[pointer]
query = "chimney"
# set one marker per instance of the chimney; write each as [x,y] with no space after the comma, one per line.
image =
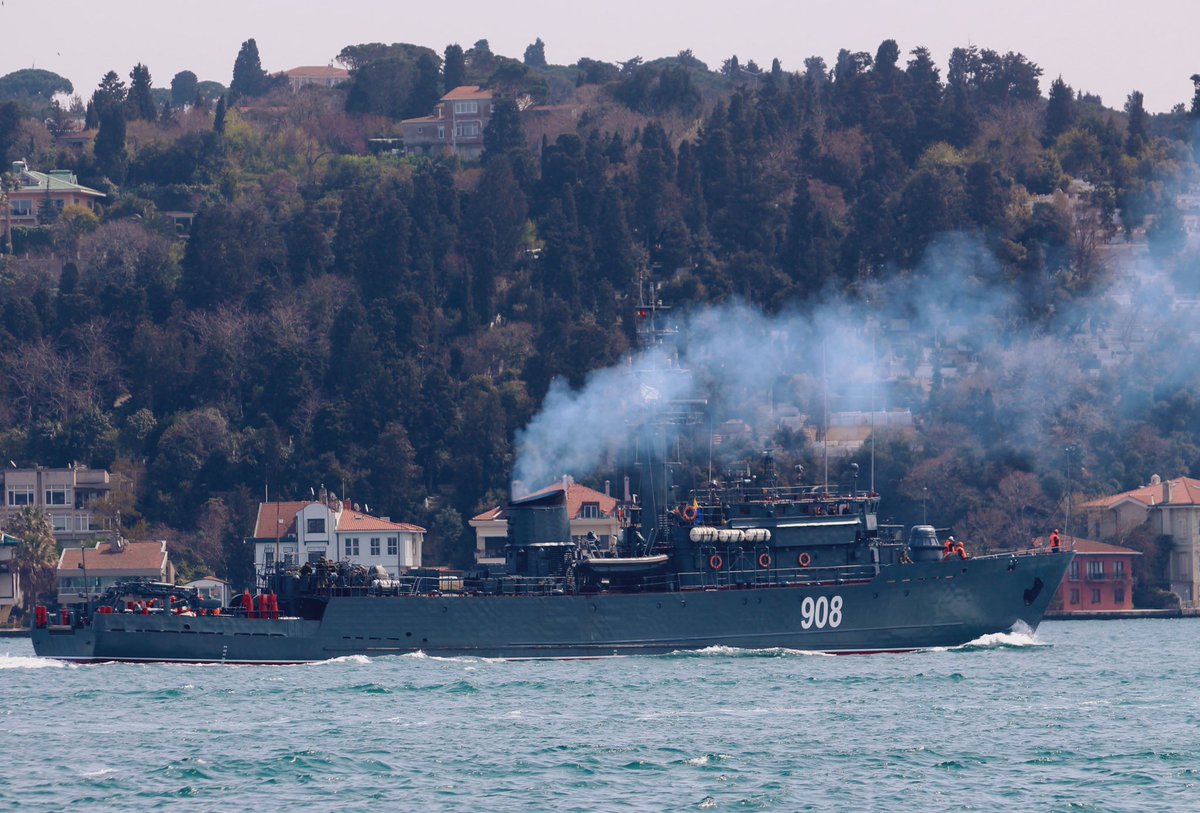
[607,488]
[627,497]
[1166,492]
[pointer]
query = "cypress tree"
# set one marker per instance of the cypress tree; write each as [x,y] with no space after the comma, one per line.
[139,100]
[454,69]
[249,78]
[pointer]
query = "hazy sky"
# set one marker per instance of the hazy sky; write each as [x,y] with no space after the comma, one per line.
[1101,46]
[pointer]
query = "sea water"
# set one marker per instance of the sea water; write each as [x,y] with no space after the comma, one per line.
[1081,716]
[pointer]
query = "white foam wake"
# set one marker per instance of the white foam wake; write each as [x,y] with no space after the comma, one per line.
[27,662]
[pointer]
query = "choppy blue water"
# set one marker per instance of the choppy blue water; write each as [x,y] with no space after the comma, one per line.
[1083,716]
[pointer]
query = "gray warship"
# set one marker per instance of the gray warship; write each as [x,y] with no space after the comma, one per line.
[746,562]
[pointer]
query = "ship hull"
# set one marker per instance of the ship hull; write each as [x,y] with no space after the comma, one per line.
[902,608]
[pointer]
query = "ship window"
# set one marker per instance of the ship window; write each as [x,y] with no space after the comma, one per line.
[392,549]
[1095,595]
[316,525]
[1074,595]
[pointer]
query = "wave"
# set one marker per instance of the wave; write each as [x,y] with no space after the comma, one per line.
[30,662]
[740,652]
[1020,637]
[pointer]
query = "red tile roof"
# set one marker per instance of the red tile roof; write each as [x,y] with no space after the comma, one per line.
[268,512]
[358,521]
[1184,491]
[467,92]
[147,556]
[577,495]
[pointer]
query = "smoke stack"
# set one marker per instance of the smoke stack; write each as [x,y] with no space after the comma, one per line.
[627,496]
[607,488]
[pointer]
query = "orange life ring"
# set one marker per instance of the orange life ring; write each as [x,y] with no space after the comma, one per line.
[716,562]
[804,559]
[764,560]
[688,513]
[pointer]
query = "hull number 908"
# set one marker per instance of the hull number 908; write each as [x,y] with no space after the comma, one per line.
[821,612]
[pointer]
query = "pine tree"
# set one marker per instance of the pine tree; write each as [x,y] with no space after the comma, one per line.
[1195,111]
[249,78]
[109,147]
[454,69]
[535,54]
[1136,134]
[184,86]
[139,100]
[426,87]
[1060,112]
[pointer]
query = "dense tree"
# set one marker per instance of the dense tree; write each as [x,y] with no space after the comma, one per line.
[535,54]
[1060,111]
[140,102]
[1135,136]
[454,68]
[109,146]
[33,88]
[36,553]
[249,78]
[184,86]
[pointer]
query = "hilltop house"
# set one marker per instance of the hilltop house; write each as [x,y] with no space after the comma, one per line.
[456,124]
[42,195]
[1173,507]
[307,531]
[587,510]
[85,573]
[316,75]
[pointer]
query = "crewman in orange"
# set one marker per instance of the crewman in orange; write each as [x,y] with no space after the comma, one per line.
[1054,540]
[960,550]
[948,550]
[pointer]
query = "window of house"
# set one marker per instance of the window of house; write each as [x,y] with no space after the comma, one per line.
[375,546]
[465,107]
[269,558]
[315,556]
[316,525]
[442,132]
[1119,595]
[56,496]
[22,208]
[61,523]
[1095,570]
[466,130]
[1095,595]
[392,549]
[352,546]
[1074,595]
[289,556]
[1074,574]
[1118,570]
[20,495]
[590,510]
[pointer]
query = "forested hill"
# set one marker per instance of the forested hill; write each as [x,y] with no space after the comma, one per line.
[385,325]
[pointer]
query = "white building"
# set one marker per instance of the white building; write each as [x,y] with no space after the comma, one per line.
[10,580]
[298,532]
[66,495]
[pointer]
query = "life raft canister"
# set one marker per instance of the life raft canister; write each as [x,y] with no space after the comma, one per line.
[764,560]
[804,559]
[716,562]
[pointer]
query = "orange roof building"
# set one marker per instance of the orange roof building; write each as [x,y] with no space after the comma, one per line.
[87,572]
[1099,579]
[456,124]
[316,75]
[587,510]
[295,532]
[1172,507]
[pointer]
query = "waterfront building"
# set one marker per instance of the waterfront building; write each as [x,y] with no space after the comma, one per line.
[86,572]
[588,510]
[306,531]
[1099,579]
[67,495]
[10,580]
[1173,509]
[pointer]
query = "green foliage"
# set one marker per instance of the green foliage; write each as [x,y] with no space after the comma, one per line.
[249,78]
[140,102]
[33,88]
[184,86]
[535,54]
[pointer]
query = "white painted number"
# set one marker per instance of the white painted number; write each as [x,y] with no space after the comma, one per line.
[821,612]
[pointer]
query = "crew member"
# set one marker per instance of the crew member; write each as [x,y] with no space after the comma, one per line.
[960,550]
[1054,540]
[948,549]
